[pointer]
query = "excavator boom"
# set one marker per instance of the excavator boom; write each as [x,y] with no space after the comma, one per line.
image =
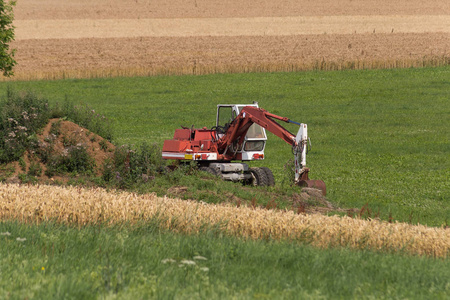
[249,115]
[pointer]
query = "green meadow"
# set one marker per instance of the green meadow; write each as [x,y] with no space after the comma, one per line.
[380,138]
[50,261]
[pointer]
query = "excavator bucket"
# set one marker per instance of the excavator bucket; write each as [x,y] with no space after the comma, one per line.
[317,184]
[304,181]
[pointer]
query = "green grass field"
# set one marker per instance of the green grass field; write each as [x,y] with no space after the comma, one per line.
[379,137]
[57,262]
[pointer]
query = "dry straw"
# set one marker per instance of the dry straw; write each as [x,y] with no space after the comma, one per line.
[72,205]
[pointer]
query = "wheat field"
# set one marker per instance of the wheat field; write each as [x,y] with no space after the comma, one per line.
[99,38]
[80,206]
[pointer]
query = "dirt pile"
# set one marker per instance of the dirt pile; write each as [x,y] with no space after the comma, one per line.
[61,142]
[306,201]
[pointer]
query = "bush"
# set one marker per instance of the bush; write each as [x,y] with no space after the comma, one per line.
[129,166]
[76,159]
[35,169]
[56,128]
[21,115]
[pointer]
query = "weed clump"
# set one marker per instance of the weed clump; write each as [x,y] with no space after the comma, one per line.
[129,166]
[75,159]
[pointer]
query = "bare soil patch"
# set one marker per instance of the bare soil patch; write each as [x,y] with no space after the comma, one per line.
[142,9]
[97,147]
[306,201]
[194,27]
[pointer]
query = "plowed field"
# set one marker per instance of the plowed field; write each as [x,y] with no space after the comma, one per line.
[56,39]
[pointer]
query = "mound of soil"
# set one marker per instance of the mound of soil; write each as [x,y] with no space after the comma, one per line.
[306,201]
[57,137]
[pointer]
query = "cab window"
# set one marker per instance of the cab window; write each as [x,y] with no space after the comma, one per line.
[226,115]
[255,132]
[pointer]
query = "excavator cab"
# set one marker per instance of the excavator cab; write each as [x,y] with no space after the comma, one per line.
[255,139]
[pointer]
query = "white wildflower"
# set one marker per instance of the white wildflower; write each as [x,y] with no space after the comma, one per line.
[168,260]
[5,233]
[198,257]
[188,262]
[19,239]
[204,269]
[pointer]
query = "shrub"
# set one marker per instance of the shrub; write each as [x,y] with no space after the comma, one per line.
[289,173]
[103,145]
[35,169]
[69,141]
[21,115]
[56,128]
[74,159]
[44,150]
[133,165]
[26,178]
[22,164]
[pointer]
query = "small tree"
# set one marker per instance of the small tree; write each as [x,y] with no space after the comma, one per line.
[7,61]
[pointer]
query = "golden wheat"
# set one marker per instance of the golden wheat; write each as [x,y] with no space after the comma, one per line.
[194,68]
[81,206]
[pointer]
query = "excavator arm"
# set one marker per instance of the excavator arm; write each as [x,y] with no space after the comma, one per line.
[249,115]
[237,130]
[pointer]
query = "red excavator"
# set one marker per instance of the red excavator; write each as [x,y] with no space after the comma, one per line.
[240,135]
